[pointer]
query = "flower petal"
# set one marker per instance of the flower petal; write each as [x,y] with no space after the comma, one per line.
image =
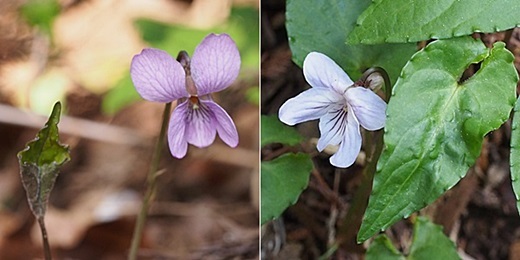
[309,105]
[200,126]
[157,76]
[322,72]
[225,127]
[215,63]
[368,107]
[350,145]
[332,128]
[177,131]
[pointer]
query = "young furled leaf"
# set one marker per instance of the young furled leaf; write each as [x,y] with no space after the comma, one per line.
[40,162]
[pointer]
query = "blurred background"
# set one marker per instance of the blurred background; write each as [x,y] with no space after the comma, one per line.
[79,52]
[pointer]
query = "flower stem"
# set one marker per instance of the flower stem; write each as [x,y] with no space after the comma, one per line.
[352,221]
[45,239]
[151,183]
[374,142]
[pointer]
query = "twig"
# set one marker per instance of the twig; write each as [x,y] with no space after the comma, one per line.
[331,223]
[74,126]
[507,39]
[325,190]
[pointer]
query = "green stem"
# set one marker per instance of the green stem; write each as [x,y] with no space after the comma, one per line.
[151,183]
[46,246]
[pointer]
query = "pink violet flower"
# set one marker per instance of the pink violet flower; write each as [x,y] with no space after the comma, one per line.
[197,119]
[340,105]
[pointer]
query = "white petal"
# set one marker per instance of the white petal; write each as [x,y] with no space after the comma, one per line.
[309,105]
[332,127]
[350,145]
[368,107]
[322,72]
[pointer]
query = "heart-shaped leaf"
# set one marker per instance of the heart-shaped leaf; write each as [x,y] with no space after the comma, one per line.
[324,25]
[435,125]
[40,162]
[411,21]
[283,179]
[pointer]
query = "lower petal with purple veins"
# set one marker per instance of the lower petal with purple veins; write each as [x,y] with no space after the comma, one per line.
[350,145]
[225,127]
[177,131]
[332,127]
[200,126]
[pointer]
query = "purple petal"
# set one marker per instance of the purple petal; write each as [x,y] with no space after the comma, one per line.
[322,72]
[332,127]
[350,145]
[215,63]
[200,128]
[368,107]
[177,131]
[157,76]
[309,105]
[225,127]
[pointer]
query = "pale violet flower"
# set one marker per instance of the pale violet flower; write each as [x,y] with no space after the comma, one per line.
[340,105]
[197,118]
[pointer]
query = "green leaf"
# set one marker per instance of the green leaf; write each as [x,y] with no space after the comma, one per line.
[382,248]
[429,242]
[274,131]
[40,162]
[435,125]
[324,25]
[515,153]
[411,21]
[283,179]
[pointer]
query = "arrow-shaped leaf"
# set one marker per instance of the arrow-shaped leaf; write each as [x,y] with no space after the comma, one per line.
[40,162]
[435,125]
